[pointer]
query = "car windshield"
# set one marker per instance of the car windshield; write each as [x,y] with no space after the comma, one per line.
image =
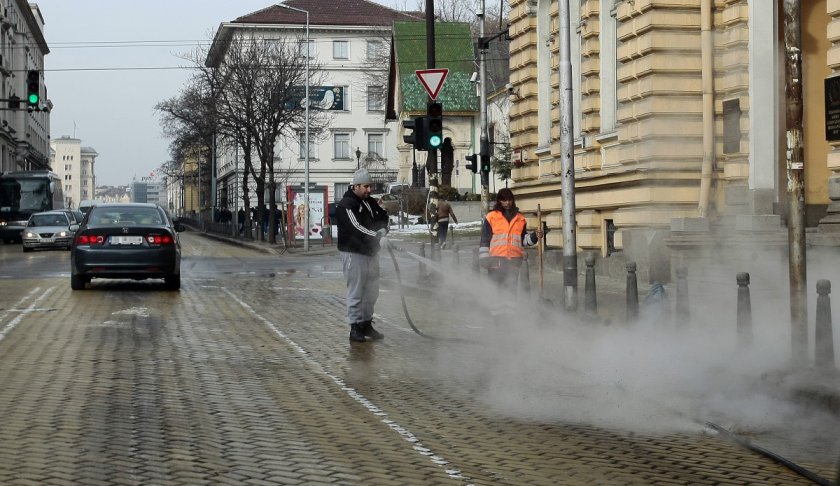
[48,220]
[125,216]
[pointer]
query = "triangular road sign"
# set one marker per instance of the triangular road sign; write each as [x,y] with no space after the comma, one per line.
[432,80]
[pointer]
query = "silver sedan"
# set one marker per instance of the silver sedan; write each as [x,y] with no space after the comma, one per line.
[50,229]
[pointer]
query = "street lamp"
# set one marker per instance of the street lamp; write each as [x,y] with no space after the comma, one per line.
[306,132]
[358,158]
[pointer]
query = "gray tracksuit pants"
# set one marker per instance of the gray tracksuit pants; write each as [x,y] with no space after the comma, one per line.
[361,272]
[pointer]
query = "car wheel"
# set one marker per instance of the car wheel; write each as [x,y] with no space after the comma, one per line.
[77,282]
[173,282]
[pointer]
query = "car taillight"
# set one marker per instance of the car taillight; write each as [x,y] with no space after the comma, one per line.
[89,240]
[159,239]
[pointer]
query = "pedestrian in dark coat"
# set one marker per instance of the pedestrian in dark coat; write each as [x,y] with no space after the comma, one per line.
[361,224]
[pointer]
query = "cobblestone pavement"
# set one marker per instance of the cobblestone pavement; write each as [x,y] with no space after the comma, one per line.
[246,376]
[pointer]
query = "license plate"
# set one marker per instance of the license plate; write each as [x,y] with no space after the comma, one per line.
[126,240]
[47,240]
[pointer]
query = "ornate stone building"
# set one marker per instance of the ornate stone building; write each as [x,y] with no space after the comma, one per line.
[679,121]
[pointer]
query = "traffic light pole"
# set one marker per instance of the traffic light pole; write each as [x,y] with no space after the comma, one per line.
[431,155]
[484,146]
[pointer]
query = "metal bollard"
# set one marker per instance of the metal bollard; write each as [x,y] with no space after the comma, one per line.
[435,252]
[632,311]
[421,275]
[590,301]
[683,314]
[475,265]
[525,276]
[744,323]
[824,338]
[456,256]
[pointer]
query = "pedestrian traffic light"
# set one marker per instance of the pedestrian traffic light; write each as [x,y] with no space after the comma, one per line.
[434,125]
[33,88]
[485,164]
[473,166]
[418,136]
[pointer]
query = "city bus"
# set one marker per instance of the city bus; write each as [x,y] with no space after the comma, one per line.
[23,193]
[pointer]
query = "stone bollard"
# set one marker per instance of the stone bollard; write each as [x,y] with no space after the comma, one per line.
[590,301]
[435,252]
[683,314]
[744,323]
[632,312]
[421,274]
[824,338]
[456,256]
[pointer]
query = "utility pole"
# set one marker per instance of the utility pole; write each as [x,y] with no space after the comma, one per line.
[432,153]
[567,162]
[484,148]
[795,185]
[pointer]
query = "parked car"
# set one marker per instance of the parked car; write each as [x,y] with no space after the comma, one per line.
[48,229]
[389,202]
[127,240]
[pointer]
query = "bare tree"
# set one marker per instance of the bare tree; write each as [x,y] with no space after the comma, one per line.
[261,95]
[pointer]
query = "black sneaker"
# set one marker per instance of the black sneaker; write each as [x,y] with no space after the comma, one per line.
[369,331]
[356,332]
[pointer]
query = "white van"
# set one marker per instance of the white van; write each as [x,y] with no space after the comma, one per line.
[85,205]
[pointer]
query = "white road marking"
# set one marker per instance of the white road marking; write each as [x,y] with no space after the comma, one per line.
[23,313]
[352,393]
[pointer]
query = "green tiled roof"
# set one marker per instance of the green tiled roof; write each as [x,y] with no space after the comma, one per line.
[453,50]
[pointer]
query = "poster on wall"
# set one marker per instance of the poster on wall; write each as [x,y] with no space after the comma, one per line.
[317,212]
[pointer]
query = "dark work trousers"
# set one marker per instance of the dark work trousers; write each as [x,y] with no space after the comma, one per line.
[443,230]
[361,272]
[506,277]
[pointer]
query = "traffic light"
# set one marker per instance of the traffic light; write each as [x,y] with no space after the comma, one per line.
[474,165]
[418,138]
[14,102]
[485,164]
[434,125]
[33,88]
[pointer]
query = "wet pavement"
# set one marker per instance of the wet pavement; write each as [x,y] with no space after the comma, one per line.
[804,405]
[246,376]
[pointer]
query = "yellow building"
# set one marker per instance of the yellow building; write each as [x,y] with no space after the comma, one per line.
[663,90]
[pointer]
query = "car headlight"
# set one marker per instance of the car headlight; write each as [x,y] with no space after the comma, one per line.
[3,223]
[29,234]
[62,234]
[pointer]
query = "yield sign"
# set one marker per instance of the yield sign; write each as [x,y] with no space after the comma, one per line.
[432,80]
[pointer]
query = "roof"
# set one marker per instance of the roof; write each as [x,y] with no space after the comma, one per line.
[453,51]
[327,12]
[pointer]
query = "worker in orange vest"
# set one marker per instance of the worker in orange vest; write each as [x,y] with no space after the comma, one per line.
[503,238]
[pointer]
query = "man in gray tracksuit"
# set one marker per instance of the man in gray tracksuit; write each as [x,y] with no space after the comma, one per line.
[361,224]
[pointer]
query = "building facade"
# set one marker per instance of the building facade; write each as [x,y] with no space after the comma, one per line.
[678,118]
[346,40]
[76,166]
[148,190]
[24,133]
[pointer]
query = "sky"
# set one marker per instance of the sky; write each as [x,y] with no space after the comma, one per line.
[112,61]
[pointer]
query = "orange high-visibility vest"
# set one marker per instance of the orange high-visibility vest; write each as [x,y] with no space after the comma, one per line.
[507,235]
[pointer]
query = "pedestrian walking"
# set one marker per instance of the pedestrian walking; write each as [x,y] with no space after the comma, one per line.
[361,224]
[503,237]
[240,215]
[444,212]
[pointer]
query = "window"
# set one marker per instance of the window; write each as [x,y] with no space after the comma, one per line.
[374,50]
[342,145]
[375,98]
[304,51]
[376,145]
[302,148]
[341,49]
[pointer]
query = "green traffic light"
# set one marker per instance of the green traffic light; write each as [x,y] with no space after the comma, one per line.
[434,141]
[33,99]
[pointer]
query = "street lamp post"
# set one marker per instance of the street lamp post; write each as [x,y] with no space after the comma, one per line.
[306,132]
[358,158]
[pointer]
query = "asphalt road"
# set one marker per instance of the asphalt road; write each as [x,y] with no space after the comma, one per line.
[246,376]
